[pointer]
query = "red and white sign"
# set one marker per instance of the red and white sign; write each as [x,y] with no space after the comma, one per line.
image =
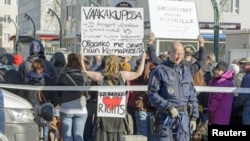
[111,104]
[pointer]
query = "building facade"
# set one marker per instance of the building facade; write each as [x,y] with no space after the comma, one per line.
[8,23]
[232,19]
[71,23]
[37,21]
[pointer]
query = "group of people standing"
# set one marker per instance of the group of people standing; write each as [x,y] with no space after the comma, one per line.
[171,98]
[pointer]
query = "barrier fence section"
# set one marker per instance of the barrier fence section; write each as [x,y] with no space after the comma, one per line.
[215,132]
[125,88]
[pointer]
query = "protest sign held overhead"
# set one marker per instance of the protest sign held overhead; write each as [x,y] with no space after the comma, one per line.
[106,31]
[111,104]
[173,19]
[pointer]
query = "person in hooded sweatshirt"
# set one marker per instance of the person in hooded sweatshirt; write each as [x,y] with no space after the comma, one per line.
[9,74]
[59,61]
[219,103]
[36,51]
[6,62]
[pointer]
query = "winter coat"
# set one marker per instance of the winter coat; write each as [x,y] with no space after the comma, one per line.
[32,78]
[244,98]
[79,78]
[219,103]
[172,86]
[25,67]
[140,99]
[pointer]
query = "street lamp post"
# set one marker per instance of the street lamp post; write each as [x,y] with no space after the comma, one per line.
[60,25]
[95,3]
[216,28]
[17,36]
[34,26]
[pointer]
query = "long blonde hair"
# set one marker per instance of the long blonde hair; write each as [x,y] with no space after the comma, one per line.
[111,65]
[198,78]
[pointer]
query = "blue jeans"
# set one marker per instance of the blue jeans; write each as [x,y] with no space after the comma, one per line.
[143,125]
[73,126]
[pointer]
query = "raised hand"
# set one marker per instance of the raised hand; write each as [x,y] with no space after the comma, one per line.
[151,38]
[201,41]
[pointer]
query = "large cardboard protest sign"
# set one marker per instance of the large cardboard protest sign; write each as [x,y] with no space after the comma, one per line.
[173,19]
[106,30]
[111,104]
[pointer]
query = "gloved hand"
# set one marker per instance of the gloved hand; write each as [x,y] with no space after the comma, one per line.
[193,125]
[174,112]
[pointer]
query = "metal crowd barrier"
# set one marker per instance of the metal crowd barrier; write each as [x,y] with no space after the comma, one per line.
[120,88]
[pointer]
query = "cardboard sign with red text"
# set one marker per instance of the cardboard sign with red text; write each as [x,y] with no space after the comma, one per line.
[111,104]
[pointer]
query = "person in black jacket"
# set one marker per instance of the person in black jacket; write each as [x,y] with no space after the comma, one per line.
[73,112]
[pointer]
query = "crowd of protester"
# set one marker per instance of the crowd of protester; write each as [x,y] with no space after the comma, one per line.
[75,116]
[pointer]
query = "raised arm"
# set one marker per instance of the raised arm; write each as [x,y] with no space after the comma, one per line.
[94,76]
[151,50]
[202,56]
[133,75]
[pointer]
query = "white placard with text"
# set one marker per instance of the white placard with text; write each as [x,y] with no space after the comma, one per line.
[107,30]
[173,19]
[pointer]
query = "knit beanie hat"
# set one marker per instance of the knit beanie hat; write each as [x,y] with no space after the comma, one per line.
[17,59]
[222,66]
[124,66]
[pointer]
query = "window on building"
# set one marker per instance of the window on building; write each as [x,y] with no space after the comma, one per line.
[69,12]
[6,18]
[229,6]
[6,37]
[7,2]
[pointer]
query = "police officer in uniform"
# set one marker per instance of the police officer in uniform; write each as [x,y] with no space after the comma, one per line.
[171,91]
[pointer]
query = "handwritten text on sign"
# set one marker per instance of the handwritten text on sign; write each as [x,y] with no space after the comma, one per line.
[173,19]
[108,31]
[111,104]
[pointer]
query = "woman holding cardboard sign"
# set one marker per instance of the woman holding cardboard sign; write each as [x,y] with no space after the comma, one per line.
[110,128]
[112,67]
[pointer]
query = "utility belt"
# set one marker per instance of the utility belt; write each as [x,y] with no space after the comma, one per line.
[183,108]
[156,126]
